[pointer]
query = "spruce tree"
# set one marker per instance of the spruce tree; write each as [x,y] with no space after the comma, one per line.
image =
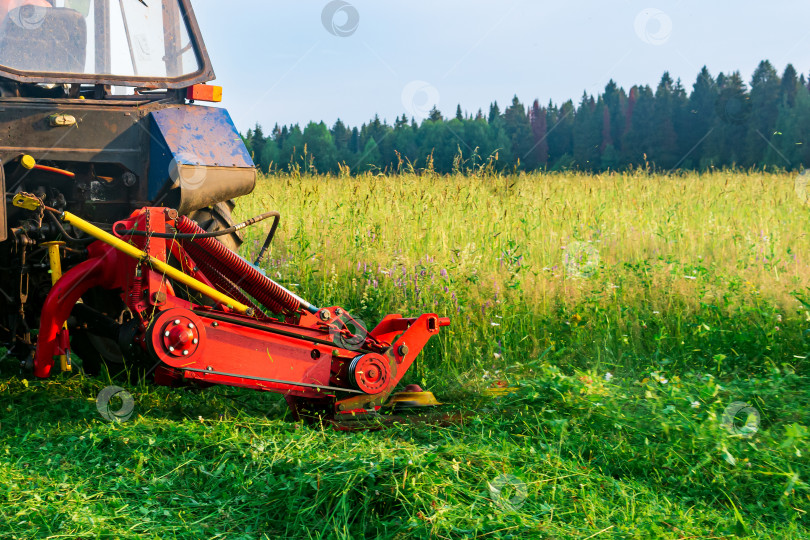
[435,115]
[537,119]
[699,121]
[733,117]
[789,87]
[616,104]
[587,134]
[637,141]
[765,91]
[494,113]
[664,143]
[561,135]
[519,131]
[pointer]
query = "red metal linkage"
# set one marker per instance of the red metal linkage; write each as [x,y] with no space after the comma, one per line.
[305,357]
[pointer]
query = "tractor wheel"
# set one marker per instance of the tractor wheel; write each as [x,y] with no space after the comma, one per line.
[95,351]
[216,218]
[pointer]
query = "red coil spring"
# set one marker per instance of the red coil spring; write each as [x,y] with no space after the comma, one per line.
[135,294]
[222,282]
[211,252]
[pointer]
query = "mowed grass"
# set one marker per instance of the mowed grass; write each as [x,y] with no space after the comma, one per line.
[628,312]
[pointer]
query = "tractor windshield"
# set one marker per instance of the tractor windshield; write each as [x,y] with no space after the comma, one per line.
[150,43]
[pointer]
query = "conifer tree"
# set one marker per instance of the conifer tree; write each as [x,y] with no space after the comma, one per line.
[789,87]
[494,113]
[537,118]
[732,123]
[765,94]
[519,131]
[587,134]
[664,143]
[561,135]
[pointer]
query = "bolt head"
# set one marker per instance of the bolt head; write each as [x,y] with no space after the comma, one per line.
[195,341]
[338,312]
[176,322]
[185,353]
[402,350]
[191,325]
[325,316]
[166,333]
[171,349]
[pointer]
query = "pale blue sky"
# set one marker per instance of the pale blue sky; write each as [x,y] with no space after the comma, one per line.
[278,62]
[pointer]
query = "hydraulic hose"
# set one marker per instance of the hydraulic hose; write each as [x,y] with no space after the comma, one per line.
[267,242]
[68,237]
[214,234]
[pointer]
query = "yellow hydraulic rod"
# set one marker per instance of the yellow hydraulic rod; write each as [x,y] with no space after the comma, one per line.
[161,266]
[55,260]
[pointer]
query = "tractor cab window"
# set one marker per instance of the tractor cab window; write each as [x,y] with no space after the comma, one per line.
[143,39]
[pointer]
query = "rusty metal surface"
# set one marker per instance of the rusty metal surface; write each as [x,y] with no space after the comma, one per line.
[220,184]
[105,132]
[204,74]
[202,136]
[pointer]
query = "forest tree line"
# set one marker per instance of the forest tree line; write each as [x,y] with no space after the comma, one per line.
[722,122]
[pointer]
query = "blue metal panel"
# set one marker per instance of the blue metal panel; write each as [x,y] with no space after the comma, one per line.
[193,135]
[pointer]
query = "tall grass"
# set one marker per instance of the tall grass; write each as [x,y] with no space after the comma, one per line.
[619,269]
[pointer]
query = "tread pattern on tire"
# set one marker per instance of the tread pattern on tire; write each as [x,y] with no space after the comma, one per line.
[218,217]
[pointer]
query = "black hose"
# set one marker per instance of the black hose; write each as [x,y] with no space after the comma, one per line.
[62,230]
[214,234]
[267,241]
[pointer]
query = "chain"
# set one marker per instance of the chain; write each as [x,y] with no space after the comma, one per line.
[148,230]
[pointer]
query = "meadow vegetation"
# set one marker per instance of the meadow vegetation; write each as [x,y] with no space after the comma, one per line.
[627,312]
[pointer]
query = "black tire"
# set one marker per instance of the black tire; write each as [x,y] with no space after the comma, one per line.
[94,351]
[218,217]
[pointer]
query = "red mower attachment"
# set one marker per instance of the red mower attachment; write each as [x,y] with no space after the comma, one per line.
[205,315]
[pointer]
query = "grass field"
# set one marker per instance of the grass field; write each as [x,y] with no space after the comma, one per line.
[630,312]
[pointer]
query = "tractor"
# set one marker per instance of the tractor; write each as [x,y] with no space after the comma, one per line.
[117,239]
